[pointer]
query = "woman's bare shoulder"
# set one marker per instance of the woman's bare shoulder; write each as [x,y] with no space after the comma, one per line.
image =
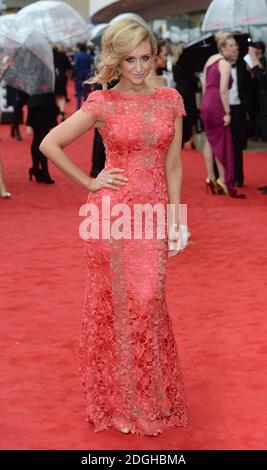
[213,58]
[224,65]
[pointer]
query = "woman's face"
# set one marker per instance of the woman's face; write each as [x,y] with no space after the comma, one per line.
[136,66]
[231,50]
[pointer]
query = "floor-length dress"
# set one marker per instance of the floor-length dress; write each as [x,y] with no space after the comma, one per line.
[218,135]
[128,357]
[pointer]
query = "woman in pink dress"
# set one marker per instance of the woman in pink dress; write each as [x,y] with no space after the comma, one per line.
[129,364]
[216,116]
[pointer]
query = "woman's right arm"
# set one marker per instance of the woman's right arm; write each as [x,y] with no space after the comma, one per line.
[225,72]
[68,131]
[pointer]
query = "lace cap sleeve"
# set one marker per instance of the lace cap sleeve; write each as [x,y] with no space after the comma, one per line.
[94,103]
[178,104]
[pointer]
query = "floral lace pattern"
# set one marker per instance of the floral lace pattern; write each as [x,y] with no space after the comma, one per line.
[128,357]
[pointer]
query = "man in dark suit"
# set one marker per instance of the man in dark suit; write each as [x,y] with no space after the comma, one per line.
[259,70]
[239,97]
[258,66]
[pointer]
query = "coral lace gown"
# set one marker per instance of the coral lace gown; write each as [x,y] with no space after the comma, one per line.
[128,356]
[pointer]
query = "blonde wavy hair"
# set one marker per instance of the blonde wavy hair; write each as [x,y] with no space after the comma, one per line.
[118,41]
[221,39]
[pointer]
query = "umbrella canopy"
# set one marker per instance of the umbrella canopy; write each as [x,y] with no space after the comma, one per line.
[26,62]
[231,14]
[197,52]
[258,34]
[128,16]
[97,31]
[56,21]
[7,21]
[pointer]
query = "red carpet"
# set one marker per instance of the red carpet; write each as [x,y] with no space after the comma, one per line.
[216,294]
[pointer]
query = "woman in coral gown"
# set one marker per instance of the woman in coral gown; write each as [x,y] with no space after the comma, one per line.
[129,364]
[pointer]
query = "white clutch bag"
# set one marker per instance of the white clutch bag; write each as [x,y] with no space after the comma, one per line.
[178,240]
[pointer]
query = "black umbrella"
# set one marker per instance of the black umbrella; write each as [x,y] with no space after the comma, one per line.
[197,52]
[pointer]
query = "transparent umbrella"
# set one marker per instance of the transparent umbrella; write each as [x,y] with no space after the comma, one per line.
[231,14]
[7,21]
[130,16]
[56,21]
[2,5]
[26,62]
[97,31]
[258,33]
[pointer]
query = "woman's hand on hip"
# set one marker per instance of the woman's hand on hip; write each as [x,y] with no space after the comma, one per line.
[110,179]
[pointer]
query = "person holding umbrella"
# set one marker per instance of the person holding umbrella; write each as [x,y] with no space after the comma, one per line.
[62,67]
[17,99]
[27,65]
[42,116]
[239,100]
[258,67]
[259,70]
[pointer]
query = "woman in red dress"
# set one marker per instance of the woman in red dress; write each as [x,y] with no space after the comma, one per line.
[129,364]
[216,116]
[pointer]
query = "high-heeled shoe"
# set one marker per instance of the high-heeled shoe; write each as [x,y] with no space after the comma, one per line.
[36,173]
[221,187]
[49,181]
[211,186]
[47,178]
[16,133]
[18,136]
[224,190]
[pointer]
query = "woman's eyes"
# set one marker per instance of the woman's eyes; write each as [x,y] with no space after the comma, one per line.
[131,59]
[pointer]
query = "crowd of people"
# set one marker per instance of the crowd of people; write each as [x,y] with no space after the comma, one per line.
[227,110]
[46,110]
[233,106]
